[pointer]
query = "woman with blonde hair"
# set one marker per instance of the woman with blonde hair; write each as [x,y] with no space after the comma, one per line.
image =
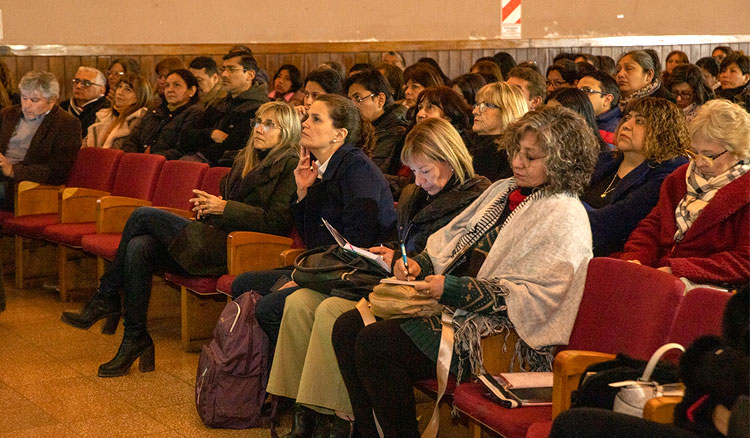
[255,196]
[444,185]
[699,228]
[497,106]
[131,98]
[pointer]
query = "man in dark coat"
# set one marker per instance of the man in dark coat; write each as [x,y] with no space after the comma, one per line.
[38,141]
[89,88]
[225,126]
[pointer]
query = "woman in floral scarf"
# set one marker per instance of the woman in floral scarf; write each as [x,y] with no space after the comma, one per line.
[636,76]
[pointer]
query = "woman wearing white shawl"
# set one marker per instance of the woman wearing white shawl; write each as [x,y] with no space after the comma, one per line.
[516,258]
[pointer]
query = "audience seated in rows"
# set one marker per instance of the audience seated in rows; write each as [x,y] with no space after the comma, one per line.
[114,124]
[307,371]
[698,229]
[319,83]
[734,77]
[395,78]
[489,70]
[638,76]
[39,141]
[531,83]
[162,70]
[394,58]
[651,144]
[578,101]
[118,68]
[89,87]
[163,129]
[562,74]
[255,197]
[473,265]
[710,69]
[287,85]
[210,87]
[506,62]
[721,52]
[498,105]
[417,77]
[604,95]
[467,86]
[690,89]
[225,126]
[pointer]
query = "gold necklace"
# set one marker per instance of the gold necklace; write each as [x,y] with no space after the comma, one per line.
[608,189]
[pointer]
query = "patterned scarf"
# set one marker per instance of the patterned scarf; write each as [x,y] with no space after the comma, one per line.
[643,92]
[700,191]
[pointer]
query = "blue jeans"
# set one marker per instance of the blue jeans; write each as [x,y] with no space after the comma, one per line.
[270,308]
[142,251]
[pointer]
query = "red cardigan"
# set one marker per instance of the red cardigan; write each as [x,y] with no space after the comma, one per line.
[714,250]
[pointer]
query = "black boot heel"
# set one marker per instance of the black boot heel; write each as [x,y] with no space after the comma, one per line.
[147,362]
[98,308]
[110,324]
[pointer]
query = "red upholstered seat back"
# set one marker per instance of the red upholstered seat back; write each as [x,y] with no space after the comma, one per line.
[626,308]
[95,168]
[212,179]
[137,175]
[700,313]
[176,183]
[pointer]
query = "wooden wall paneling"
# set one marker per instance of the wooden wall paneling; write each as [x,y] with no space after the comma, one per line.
[360,58]
[102,63]
[40,63]
[10,61]
[297,59]
[347,60]
[452,61]
[57,68]
[695,54]
[148,64]
[23,66]
[466,60]
[88,61]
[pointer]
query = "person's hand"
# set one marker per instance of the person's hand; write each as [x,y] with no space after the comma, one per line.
[432,285]
[666,269]
[385,253]
[400,271]
[205,203]
[305,173]
[301,111]
[218,136]
[6,165]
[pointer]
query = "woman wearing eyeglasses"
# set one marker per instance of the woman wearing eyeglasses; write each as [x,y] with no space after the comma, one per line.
[650,144]
[117,71]
[498,105]
[699,228]
[690,89]
[255,196]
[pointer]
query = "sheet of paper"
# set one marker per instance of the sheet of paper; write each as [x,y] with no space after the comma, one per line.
[394,280]
[527,380]
[341,240]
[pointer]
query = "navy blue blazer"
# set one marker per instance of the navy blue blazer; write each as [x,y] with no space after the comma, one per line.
[353,196]
[632,200]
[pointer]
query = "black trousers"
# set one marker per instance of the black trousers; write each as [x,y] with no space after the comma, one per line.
[380,364]
[601,423]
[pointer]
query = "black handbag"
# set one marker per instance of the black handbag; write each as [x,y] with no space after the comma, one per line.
[334,271]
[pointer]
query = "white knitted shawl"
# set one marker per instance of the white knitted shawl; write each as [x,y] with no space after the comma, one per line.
[538,261]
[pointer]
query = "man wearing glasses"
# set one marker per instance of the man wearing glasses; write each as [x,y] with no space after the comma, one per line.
[604,96]
[89,88]
[226,124]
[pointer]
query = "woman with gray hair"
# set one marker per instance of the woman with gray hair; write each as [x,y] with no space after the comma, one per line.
[513,260]
[38,140]
[699,228]
[637,76]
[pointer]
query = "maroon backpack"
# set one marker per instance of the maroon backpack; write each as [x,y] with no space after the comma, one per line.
[230,387]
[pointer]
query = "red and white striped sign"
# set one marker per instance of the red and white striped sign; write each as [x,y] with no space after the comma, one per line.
[511,19]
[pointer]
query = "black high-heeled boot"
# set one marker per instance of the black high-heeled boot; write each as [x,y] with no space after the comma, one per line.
[131,348]
[97,308]
[303,422]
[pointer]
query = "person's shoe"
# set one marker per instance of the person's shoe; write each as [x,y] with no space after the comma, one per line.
[303,422]
[131,348]
[97,308]
[332,426]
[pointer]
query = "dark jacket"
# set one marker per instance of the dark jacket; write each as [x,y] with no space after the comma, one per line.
[488,160]
[390,131]
[259,203]
[663,93]
[88,115]
[164,131]
[739,95]
[418,217]
[607,123]
[632,200]
[234,116]
[353,197]
[53,148]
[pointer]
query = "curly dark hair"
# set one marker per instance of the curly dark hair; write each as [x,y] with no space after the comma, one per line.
[567,141]
[666,133]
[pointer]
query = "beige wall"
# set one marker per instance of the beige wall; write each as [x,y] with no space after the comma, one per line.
[35,22]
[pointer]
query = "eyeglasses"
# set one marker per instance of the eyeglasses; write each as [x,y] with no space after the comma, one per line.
[358,99]
[556,84]
[683,94]
[267,125]
[705,159]
[483,106]
[589,90]
[116,73]
[526,160]
[231,69]
[85,83]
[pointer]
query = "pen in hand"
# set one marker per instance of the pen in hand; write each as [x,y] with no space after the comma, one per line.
[403,257]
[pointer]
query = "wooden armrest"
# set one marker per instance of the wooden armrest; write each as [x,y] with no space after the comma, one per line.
[568,367]
[187,214]
[661,409]
[78,204]
[249,251]
[36,198]
[112,212]
[287,257]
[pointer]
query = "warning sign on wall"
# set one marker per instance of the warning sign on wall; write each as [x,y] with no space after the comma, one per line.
[511,19]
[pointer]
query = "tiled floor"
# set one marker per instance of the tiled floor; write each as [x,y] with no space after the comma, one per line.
[49,387]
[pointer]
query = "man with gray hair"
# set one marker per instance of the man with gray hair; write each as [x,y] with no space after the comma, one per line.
[89,96]
[38,140]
